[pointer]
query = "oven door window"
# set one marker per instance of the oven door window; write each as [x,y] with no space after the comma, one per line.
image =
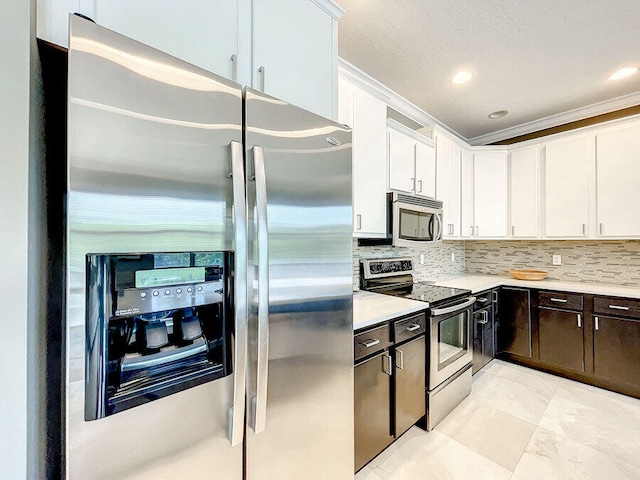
[452,339]
[416,225]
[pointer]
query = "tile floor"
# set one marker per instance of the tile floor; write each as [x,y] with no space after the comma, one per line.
[521,424]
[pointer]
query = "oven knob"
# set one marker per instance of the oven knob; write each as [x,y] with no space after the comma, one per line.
[156,293]
[178,291]
[143,295]
[200,288]
[189,289]
[167,292]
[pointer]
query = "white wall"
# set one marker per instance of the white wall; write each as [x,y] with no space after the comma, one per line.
[15,321]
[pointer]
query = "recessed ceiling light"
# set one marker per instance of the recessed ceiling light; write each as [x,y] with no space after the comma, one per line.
[461,77]
[623,73]
[498,114]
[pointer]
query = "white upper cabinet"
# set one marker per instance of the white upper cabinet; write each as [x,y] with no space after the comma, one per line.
[524,186]
[412,161]
[490,194]
[286,48]
[401,162]
[201,32]
[367,115]
[618,181]
[466,210]
[566,187]
[448,183]
[425,170]
[295,53]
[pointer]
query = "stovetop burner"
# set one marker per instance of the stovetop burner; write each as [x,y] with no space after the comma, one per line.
[394,276]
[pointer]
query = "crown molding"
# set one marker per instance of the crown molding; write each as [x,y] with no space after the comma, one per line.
[581,113]
[393,99]
[331,7]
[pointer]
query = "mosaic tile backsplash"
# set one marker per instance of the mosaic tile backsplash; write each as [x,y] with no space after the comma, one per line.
[437,260]
[611,261]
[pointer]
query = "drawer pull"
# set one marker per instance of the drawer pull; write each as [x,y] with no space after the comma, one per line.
[370,343]
[579,321]
[482,299]
[413,327]
[618,307]
[559,300]
[597,324]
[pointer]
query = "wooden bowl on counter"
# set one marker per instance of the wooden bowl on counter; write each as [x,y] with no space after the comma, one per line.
[528,274]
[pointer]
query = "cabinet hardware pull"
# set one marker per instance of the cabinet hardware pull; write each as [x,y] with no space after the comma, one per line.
[597,324]
[263,76]
[472,230]
[495,295]
[359,221]
[234,67]
[399,363]
[513,231]
[420,186]
[584,228]
[482,299]
[579,321]
[559,300]
[601,228]
[413,327]
[618,307]
[413,184]
[370,343]
[388,371]
[477,230]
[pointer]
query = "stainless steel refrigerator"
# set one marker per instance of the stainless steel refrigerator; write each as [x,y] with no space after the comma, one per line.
[209,265]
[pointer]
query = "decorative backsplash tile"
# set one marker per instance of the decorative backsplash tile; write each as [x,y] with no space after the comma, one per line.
[609,261]
[437,259]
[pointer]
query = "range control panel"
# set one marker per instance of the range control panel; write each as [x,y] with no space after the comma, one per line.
[374,268]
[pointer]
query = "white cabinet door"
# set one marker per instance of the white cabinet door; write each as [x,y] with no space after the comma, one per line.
[368,117]
[425,170]
[293,53]
[466,215]
[401,162]
[201,32]
[490,194]
[618,181]
[566,184]
[523,192]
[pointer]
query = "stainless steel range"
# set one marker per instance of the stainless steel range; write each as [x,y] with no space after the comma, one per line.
[449,347]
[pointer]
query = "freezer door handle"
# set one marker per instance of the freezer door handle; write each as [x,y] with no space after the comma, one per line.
[236,414]
[259,403]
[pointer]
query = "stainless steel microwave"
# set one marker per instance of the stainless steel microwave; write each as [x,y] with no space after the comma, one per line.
[414,221]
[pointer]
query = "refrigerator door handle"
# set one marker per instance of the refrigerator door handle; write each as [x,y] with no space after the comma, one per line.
[259,402]
[236,413]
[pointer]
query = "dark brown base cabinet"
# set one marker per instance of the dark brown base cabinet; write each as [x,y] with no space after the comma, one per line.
[513,330]
[389,384]
[616,350]
[588,338]
[372,407]
[483,325]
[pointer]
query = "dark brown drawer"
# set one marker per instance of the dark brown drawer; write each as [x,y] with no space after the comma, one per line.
[371,341]
[483,299]
[566,301]
[409,327]
[621,307]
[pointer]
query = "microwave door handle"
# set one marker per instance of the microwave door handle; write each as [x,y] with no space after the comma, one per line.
[440,226]
[236,413]
[259,402]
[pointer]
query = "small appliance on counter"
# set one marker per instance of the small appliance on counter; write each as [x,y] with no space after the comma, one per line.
[449,347]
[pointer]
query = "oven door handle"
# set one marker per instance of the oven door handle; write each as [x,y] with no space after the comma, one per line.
[461,306]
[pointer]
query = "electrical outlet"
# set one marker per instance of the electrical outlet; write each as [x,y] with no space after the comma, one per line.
[557,259]
[453,257]
[422,259]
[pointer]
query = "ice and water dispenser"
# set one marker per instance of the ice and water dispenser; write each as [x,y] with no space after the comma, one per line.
[157,323]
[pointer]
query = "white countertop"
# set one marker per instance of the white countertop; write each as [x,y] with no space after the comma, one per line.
[478,283]
[370,308]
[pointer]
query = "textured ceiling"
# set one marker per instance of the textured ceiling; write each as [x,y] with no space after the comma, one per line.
[535,58]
